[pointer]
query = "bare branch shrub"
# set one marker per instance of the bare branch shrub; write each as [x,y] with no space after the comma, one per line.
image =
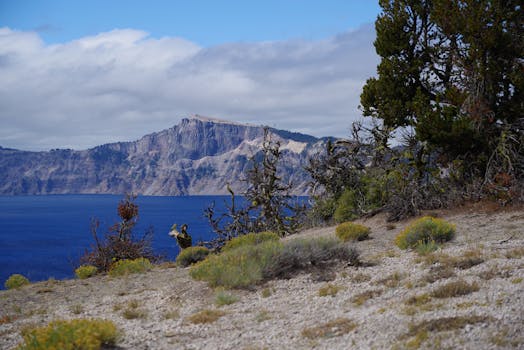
[119,242]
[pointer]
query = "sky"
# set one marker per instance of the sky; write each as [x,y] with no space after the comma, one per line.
[76,74]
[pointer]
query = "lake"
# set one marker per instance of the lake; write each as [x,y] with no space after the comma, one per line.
[44,236]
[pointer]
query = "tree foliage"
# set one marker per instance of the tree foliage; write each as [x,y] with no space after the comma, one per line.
[453,71]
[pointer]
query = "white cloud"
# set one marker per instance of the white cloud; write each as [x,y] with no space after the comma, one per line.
[122,84]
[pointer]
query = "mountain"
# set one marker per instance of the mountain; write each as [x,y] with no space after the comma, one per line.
[198,156]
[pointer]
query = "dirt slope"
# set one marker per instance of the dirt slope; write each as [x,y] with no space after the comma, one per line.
[390,303]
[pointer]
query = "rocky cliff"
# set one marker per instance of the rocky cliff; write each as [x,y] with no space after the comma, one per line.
[198,156]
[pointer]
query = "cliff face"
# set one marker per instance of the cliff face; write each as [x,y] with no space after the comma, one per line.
[197,156]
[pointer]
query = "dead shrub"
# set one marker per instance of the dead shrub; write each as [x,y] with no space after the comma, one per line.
[119,243]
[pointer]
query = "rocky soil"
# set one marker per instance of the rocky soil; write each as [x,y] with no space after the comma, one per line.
[389,303]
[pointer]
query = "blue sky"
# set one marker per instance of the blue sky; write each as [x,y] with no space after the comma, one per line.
[75,74]
[205,22]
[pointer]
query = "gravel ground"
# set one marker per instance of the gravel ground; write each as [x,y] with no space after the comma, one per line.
[373,308]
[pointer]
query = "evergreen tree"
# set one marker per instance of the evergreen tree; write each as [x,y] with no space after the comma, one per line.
[453,71]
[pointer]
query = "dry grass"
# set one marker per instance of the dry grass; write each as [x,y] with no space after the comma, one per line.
[132,310]
[7,319]
[360,277]
[417,340]
[410,310]
[391,281]
[266,293]
[495,272]
[329,290]
[465,261]
[131,314]
[172,314]
[361,298]
[445,324]
[418,300]
[76,309]
[205,316]
[437,273]
[335,328]
[454,289]
[419,303]
[515,253]
[262,316]
[503,339]
[468,259]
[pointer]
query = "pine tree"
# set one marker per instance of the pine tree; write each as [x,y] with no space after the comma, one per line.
[453,71]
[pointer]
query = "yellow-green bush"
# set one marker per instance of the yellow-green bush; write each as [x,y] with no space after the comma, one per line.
[78,334]
[191,255]
[349,231]
[425,230]
[85,271]
[15,281]
[250,239]
[125,267]
[239,267]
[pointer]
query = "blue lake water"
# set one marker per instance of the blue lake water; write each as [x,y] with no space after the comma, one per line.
[44,236]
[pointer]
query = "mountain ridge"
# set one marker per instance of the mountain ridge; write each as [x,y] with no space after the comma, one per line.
[197,156]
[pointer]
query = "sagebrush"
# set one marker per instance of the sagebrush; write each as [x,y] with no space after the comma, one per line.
[248,265]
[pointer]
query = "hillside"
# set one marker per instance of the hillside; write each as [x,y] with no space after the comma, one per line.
[385,304]
[198,156]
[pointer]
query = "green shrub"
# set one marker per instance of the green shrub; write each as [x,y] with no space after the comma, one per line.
[250,239]
[322,211]
[425,248]
[346,207]
[16,281]
[223,298]
[349,231]
[85,271]
[78,334]
[237,268]
[125,267]
[191,255]
[423,231]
